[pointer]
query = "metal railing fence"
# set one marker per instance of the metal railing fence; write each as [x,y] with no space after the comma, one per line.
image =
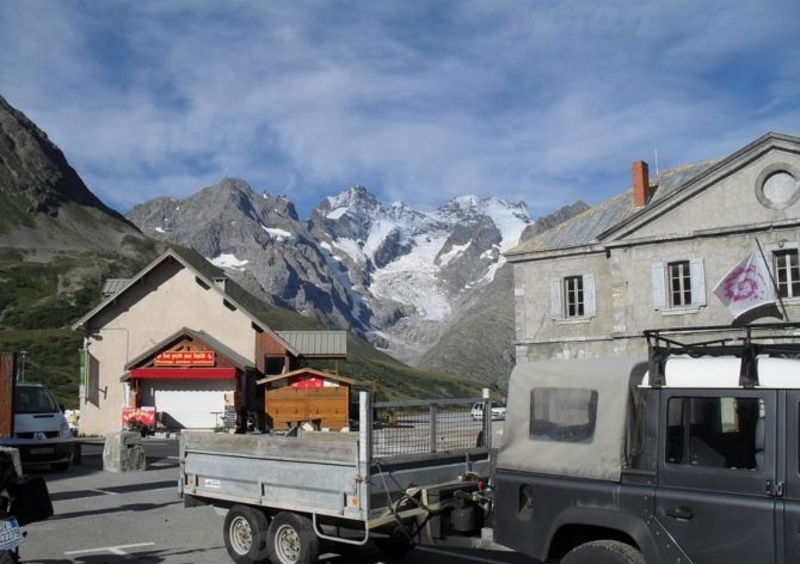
[428,426]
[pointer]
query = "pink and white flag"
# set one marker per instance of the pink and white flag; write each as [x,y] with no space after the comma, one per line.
[748,290]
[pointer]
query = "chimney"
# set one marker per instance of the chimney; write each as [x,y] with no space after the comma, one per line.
[641,183]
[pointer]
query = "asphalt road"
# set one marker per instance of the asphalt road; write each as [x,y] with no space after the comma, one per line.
[137,517]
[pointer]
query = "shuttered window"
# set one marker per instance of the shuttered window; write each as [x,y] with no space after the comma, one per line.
[573,297]
[787,272]
[678,284]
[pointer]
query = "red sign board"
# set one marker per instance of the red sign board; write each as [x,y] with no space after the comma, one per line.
[308,383]
[185,358]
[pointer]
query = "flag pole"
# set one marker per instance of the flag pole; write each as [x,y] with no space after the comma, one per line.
[772,279]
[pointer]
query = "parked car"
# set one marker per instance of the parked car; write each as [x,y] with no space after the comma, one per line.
[41,432]
[498,411]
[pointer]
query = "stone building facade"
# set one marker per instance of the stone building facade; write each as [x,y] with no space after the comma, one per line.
[650,257]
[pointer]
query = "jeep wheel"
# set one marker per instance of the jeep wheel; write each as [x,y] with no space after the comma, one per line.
[245,534]
[604,552]
[291,540]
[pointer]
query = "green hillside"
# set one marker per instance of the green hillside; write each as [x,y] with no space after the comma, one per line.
[42,294]
[40,297]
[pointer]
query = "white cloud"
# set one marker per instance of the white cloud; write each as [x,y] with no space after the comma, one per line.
[545,102]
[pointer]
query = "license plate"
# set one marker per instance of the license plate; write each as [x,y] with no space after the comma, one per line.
[10,535]
[42,450]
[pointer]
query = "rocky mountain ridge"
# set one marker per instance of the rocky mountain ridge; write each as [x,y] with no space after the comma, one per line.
[44,204]
[59,242]
[397,275]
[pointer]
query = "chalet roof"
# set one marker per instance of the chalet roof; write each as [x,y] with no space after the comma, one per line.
[321,344]
[311,371]
[251,306]
[235,358]
[584,228]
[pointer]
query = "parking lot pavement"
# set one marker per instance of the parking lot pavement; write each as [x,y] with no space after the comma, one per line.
[137,517]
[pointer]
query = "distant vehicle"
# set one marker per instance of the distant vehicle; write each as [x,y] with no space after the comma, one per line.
[73,416]
[41,432]
[498,411]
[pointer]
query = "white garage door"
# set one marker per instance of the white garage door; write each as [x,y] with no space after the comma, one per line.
[192,405]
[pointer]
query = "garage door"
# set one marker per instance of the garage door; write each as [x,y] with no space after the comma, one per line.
[189,405]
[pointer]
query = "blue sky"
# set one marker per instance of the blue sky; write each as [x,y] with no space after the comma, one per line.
[541,101]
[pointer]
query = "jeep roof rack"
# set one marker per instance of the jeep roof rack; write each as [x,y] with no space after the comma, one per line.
[780,340]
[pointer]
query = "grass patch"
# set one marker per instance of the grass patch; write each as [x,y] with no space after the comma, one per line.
[51,358]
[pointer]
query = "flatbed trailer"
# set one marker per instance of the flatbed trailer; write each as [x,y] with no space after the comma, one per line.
[388,480]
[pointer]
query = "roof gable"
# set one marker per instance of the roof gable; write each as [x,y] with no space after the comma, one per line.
[210,275]
[616,217]
[201,337]
[694,186]
[309,371]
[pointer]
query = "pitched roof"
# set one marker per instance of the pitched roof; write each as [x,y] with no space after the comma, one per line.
[584,228]
[251,306]
[312,371]
[598,222]
[321,344]
[235,358]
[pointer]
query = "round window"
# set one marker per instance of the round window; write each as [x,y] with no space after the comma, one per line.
[778,186]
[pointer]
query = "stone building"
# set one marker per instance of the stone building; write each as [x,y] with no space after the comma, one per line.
[650,257]
[179,337]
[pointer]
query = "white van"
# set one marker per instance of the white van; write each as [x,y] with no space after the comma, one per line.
[41,433]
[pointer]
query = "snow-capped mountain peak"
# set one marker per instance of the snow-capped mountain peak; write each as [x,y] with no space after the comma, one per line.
[389,270]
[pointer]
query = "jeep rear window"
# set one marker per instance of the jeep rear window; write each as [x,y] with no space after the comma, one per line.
[563,414]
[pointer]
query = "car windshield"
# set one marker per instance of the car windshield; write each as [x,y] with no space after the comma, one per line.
[33,399]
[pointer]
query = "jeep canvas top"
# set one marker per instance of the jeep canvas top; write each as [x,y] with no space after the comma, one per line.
[688,456]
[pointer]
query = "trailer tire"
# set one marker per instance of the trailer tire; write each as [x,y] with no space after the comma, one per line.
[9,557]
[604,552]
[245,534]
[291,540]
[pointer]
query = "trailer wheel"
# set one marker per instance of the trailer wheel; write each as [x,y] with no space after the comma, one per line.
[9,557]
[245,533]
[604,552]
[291,540]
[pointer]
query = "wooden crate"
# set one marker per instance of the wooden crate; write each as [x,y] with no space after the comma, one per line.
[324,407]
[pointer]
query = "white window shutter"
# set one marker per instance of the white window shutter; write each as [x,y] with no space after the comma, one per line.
[698,279]
[556,308]
[659,292]
[589,300]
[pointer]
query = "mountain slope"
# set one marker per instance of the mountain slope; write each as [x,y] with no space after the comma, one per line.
[259,240]
[59,242]
[480,343]
[395,275]
[44,204]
